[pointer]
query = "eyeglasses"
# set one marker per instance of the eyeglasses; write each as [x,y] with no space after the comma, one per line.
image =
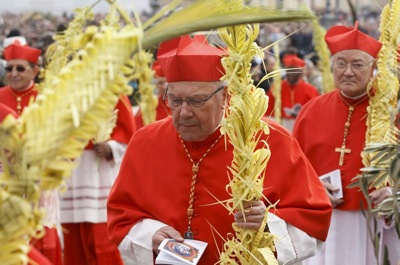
[357,66]
[195,103]
[18,68]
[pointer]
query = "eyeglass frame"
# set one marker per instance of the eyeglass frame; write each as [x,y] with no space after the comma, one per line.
[18,68]
[189,100]
[345,65]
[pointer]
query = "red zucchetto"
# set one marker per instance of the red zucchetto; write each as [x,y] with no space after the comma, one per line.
[292,61]
[190,59]
[23,52]
[341,38]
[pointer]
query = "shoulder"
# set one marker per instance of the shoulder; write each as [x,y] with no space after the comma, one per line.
[153,138]
[317,109]
[160,129]
[321,101]
[276,130]
[4,89]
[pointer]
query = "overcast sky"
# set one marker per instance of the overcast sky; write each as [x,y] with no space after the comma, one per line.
[58,6]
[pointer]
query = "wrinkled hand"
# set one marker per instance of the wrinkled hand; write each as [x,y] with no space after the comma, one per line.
[329,190]
[103,150]
[163,233]
[377,196]
[253,214]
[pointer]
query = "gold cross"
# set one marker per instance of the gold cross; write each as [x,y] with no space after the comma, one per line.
[342,150]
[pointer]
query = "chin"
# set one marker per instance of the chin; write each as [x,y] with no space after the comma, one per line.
[190,136]
[353,94]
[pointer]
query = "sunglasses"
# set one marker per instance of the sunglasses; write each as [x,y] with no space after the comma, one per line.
[18,68]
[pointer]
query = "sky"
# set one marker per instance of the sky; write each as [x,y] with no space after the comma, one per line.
[59,6]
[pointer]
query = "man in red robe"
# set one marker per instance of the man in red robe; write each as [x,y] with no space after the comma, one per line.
[295,92]
[162,110]
[21,71]
[331,131]
[173,178]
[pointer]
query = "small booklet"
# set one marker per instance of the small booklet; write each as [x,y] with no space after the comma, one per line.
[180,253]
[334,178]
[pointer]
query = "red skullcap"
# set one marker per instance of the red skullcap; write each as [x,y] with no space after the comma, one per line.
[187,59]
[291,60]
[157,69]
[341,38]
[23,52]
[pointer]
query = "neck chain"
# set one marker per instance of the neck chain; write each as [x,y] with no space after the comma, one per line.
[19,98]
[343,150]
[195,169]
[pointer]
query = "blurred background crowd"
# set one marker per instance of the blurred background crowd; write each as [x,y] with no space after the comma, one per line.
[38,28]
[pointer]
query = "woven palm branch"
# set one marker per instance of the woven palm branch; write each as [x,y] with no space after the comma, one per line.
[242,124]
[203,15]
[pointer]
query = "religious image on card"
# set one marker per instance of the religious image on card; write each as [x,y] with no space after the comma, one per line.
[174,252]
[182,250]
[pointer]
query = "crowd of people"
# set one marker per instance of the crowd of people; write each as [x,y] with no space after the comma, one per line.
[163,180]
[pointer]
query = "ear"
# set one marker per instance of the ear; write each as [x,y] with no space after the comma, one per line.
[36,70]
[373,67]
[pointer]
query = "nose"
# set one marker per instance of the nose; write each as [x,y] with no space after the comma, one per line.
[349,70]
[185,109]
[14,71]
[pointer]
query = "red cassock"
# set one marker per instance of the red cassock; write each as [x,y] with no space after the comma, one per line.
[299,93]
[155,178]
[162,111]
[328,113]
[8,97]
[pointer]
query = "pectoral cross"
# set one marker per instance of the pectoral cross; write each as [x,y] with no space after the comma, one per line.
[188,234]
[342,150]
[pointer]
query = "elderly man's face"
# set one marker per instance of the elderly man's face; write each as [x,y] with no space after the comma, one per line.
[196,124]
[352,70]
[20,73]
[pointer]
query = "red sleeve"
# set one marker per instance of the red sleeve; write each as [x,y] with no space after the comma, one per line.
[119,215]
[303,201]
